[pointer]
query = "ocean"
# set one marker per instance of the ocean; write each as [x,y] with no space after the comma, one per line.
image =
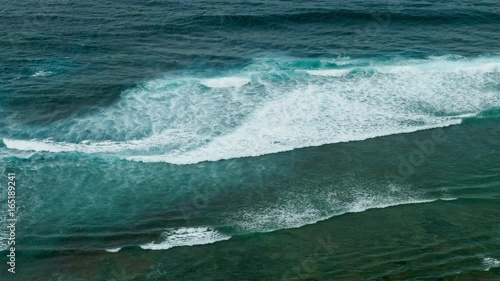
[250,140]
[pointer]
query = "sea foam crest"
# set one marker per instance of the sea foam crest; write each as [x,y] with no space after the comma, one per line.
[186,236]
[490,263]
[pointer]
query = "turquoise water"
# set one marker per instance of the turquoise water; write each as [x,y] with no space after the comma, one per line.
[258,140]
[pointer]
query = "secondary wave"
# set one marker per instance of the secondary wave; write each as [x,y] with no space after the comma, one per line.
[293,210]
[272,106]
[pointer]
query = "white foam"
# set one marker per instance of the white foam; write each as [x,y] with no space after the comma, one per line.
[41,73]
[113,250]
[225,82]
[490,263]
[188,236]
[167,137]
[292,216]
[364,205]
[330,72]
[43,145]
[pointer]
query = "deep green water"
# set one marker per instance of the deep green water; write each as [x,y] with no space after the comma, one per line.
[251,140]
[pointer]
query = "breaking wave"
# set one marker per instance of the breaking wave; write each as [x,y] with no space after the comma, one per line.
[273,106]
[188,236]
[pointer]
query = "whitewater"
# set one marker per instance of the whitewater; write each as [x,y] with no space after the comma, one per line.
[275,105]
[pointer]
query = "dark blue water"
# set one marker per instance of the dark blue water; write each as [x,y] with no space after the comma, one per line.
[251,140]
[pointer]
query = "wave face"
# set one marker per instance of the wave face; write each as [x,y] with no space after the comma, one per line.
[273,106]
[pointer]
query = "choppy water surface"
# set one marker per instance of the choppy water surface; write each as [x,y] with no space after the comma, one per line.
[252,140]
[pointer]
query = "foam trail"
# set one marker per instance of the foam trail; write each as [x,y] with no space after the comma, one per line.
[167,137]
[298,220]
[188,236]
[297,212]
